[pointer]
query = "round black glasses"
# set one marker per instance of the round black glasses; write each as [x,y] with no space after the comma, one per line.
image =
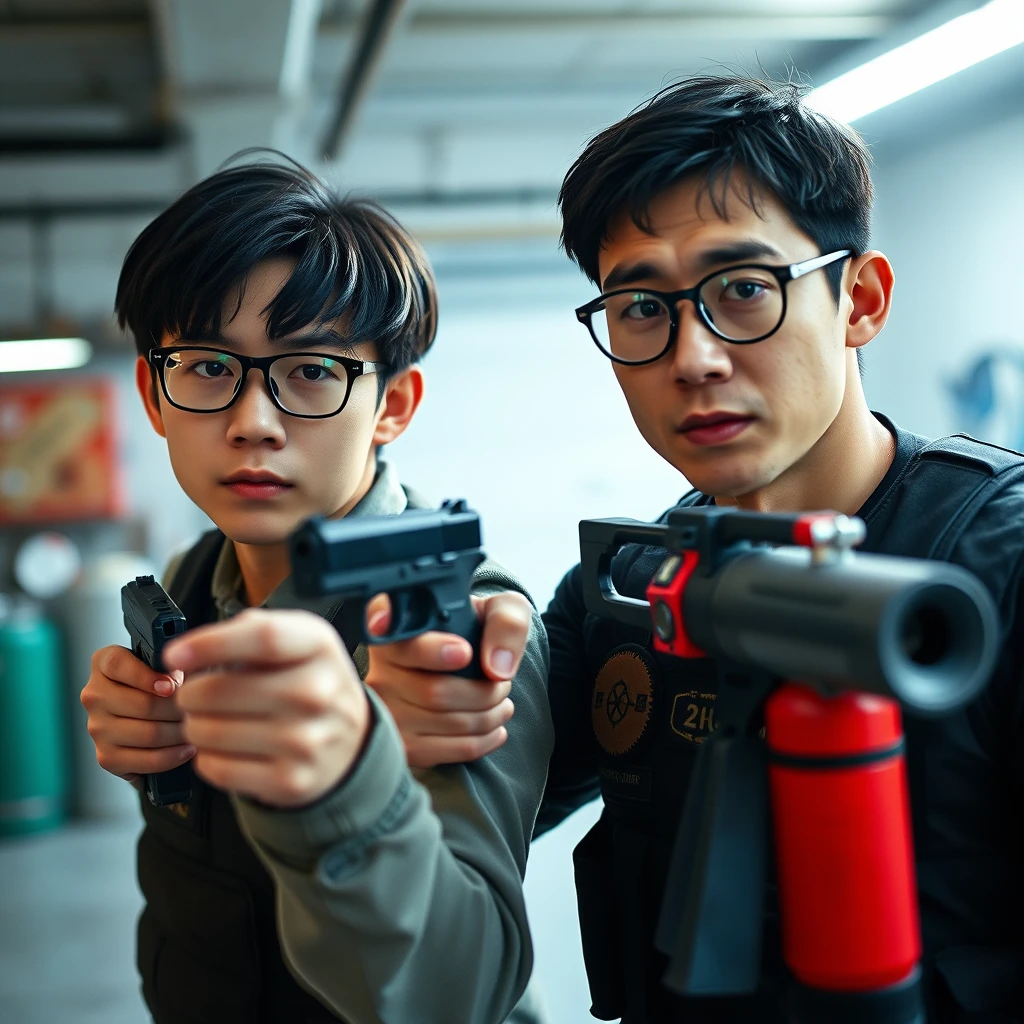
[311,385]
[740,304]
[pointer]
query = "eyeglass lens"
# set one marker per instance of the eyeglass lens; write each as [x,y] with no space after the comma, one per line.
[742,304]
[207,379]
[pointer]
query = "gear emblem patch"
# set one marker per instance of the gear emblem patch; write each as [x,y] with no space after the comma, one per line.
[621,704]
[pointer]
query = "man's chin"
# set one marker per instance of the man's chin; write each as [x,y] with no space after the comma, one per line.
[725,477]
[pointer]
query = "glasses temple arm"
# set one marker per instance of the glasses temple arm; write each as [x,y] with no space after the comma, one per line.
[807,266]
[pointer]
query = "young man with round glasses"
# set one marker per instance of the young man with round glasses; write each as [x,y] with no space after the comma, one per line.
[727,227]
[311,877]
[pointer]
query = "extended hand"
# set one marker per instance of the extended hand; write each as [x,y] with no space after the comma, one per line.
[445,719]
[273,705]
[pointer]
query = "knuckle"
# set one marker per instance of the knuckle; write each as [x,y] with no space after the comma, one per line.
[291,783]
[152,735]
[318,695]
[103,658]
[297,744]
[490,720]
[266,635]
[202,732]
[88,696]
[514,607]
[437,695]
[470,748]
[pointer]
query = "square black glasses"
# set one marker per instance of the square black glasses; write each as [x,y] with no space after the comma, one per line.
[740,304]
[310,385]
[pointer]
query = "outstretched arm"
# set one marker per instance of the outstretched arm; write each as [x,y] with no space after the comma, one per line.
[399,891]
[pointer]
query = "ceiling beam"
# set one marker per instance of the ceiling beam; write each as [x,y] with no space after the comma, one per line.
[232,97]
[379,23]
[442,24]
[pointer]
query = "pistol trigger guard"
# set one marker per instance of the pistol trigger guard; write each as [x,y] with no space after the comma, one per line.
[413,611]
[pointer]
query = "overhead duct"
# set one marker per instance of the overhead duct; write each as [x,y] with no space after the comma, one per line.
[382,17]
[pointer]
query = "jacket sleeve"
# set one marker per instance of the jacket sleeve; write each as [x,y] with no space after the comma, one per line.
[572,778]
[400,894]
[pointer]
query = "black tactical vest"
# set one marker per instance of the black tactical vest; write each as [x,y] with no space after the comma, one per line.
[208,949]
[650,713]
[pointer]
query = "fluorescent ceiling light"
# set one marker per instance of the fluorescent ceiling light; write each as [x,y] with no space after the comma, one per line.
[929,58]
[44,354]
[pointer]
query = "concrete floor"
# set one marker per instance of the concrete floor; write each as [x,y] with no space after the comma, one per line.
[68,905]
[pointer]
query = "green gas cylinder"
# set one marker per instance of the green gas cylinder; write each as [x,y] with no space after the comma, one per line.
[33,738]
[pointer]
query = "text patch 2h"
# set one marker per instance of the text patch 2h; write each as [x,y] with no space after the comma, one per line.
[623,694]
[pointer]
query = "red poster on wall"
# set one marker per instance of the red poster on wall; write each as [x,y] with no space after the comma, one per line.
[58,452]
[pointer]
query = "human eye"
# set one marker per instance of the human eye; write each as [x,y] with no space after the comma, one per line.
[315,373]
[204,365]
[641,307]
[744,287]
[209,369]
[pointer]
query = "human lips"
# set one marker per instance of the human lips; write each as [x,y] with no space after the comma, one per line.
[715,427]
[256,484]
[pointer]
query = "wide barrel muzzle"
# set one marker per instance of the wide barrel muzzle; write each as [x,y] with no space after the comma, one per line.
[926,633]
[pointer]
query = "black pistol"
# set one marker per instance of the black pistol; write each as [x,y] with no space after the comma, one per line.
[152,618]
[423,559]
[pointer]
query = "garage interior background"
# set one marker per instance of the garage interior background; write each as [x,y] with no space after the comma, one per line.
[461,116]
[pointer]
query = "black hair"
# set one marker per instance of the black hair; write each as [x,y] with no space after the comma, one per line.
[352,259]
[709,126]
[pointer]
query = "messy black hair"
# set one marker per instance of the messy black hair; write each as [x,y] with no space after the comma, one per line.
[708,127]
[352,259]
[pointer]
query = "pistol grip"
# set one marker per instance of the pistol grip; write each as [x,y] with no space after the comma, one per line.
[173,786]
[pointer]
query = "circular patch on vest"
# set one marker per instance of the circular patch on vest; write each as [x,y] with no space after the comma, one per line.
[621,704]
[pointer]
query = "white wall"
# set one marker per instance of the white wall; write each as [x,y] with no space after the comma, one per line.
[950,216]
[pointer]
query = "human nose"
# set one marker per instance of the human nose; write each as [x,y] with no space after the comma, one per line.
[699,355]
[254,417]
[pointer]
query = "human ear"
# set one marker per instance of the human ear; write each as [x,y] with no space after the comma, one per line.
[868,285]
[401,399]
[145,383]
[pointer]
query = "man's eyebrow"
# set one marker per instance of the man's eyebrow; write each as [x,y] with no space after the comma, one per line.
[630,273]
[627,273]
[302,341]
[737,252]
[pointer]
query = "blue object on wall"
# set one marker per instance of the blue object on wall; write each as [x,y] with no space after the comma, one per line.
[988,396]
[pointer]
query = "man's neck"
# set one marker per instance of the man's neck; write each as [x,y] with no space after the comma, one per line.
[265,567]
[839,473]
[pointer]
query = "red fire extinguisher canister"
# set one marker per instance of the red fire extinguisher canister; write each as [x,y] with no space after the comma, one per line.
[844,851]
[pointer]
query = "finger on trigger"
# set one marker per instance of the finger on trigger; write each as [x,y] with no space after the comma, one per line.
[378,615]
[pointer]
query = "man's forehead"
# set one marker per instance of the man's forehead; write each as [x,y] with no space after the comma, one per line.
[690,206]
[684,221]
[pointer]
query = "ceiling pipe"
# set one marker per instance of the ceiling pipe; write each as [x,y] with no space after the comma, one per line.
[378,25]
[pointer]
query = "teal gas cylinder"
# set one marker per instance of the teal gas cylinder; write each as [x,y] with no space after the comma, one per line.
[33,740]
